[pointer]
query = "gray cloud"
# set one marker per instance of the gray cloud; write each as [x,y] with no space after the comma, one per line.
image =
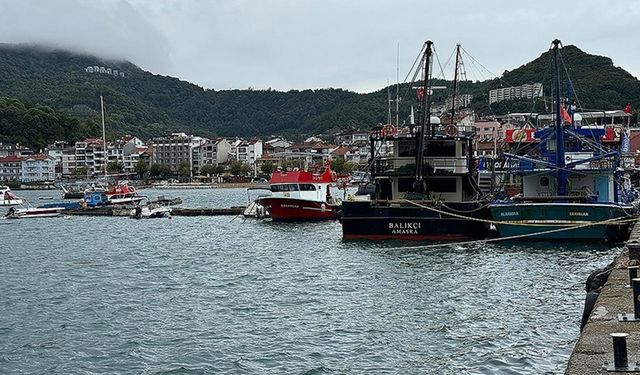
[300,44]
[113,29]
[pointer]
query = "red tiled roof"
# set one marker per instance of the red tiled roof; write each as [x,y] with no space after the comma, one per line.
[11,158]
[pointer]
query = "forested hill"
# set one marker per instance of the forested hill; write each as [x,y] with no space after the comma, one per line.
[147,105]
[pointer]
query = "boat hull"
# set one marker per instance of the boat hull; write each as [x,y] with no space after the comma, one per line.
[543,217]
[372,221]
[291,209]
[24,213]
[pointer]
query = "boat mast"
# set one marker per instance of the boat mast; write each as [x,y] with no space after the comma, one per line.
[104,141]
[397,84]
[425,121]
[561,174]
[455,86]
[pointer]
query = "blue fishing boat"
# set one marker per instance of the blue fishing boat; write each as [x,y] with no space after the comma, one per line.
[573,186]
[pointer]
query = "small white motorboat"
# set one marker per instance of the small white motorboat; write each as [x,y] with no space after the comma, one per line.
[28,212]
[150,212]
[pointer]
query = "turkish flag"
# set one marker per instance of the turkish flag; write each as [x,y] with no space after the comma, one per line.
[565,115]
[627,109]
[420,93]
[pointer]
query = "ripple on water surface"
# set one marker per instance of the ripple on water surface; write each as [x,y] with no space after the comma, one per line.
[204,295]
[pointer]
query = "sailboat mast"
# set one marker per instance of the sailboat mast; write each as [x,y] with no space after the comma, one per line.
[455,86]
[561,174]
[104,140]
[425,120]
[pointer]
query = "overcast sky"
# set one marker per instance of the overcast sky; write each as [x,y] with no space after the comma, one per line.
[298,44]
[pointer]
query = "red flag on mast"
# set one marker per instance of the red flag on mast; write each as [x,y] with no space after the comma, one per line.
[627,109]
[565,115]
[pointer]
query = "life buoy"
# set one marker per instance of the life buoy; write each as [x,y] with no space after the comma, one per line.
[519,135]
[451,130]
[389,130]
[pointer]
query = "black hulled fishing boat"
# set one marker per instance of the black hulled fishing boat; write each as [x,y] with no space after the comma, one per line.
[425,188]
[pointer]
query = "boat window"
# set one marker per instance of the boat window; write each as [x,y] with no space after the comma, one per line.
[442,185]
[407,148]
[307,187]
[284,187]
[441,149]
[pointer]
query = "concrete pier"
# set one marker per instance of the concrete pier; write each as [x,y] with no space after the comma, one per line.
[595,346]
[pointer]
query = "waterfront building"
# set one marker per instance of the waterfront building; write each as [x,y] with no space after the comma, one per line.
[90,153]
[68,160]
[351,137]
[37,168]
[249,151]
[10,168]
[175,151]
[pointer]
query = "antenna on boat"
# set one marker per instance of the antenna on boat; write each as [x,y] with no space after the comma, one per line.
[560,165]
[104,141]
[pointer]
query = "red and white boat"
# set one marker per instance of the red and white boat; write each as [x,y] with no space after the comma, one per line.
[301,195]
[123,194]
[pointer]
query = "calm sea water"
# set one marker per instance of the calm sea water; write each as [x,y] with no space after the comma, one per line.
[215,295]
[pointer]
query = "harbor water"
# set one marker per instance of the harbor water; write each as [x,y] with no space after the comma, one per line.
[216,295]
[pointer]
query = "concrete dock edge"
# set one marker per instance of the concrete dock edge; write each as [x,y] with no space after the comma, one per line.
[594,347]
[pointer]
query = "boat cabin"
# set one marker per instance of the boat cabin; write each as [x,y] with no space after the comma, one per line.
[447,165]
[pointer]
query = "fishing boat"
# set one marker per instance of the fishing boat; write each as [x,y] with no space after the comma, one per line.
[122,193]
[28,212]
[300,195]
[425,189]
[573,187]
[8,198]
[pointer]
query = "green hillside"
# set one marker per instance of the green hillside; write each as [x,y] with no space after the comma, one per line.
[149,105]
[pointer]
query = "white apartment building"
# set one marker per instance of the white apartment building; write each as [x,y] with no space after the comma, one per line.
[38,168]
[526,91]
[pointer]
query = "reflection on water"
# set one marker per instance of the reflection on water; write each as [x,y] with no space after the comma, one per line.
[224,295]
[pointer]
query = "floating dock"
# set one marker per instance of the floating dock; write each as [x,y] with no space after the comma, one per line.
[609,308]
[175,211]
